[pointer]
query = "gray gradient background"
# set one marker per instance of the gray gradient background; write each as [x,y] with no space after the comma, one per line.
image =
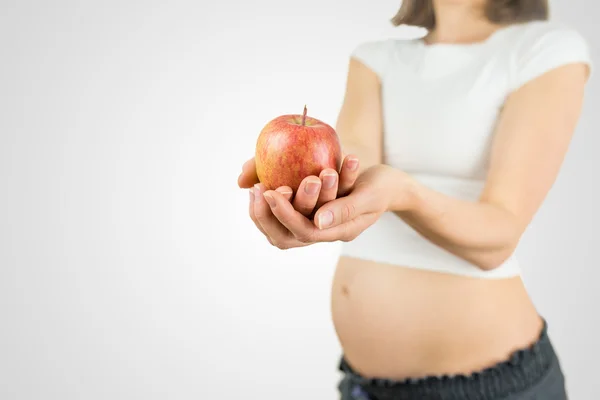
[129,268]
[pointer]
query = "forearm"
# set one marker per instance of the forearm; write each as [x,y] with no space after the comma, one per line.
[480,232]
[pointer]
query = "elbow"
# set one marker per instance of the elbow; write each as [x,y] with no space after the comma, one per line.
[493,259]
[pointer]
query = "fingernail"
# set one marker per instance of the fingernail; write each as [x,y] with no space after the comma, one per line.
[329,180]
[251,195]
[269,198]
[352,164]
[325,219]
[285,192]
[256,193]
[312,188]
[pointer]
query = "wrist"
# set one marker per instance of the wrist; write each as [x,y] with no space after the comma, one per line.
[403,191]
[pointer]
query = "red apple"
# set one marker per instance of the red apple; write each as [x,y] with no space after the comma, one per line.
[292,147]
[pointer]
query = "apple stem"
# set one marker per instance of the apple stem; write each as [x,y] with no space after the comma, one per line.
[304,116]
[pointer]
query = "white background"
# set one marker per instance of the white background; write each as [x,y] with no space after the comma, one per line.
[129,268]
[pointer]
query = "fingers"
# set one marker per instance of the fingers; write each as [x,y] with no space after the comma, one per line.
[264,219]
[329,186]
[347,231]
[304,231]
[307,195]
[251,211]
[285,223]
[348,174]
[343,210]
[292,220]
[286,191]
[316,191]
[248,177]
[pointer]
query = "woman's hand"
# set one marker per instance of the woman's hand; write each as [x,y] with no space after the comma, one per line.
[313,192]
[341,219]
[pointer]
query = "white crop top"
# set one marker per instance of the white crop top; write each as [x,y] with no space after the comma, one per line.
[440,106]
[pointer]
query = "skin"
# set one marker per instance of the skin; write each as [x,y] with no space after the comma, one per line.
[396,322]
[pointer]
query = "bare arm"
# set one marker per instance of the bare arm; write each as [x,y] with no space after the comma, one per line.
[530,143]
[359,123]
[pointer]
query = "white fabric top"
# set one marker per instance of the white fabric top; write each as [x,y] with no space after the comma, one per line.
[440,106]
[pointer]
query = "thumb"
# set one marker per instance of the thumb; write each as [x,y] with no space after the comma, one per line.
[342,210]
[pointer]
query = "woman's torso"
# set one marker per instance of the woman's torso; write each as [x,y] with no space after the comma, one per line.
[398,322]
[401,306]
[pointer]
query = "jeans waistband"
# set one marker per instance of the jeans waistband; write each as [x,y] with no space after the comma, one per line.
[521,371]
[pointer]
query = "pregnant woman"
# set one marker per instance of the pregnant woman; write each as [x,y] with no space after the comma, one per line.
[451,142]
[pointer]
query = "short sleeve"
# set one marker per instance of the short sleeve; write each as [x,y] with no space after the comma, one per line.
[546,48]
[374,54]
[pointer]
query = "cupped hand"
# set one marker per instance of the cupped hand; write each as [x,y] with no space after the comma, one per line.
[342,219]
[314,191]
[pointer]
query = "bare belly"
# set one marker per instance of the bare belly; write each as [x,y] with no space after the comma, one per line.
[395,322]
